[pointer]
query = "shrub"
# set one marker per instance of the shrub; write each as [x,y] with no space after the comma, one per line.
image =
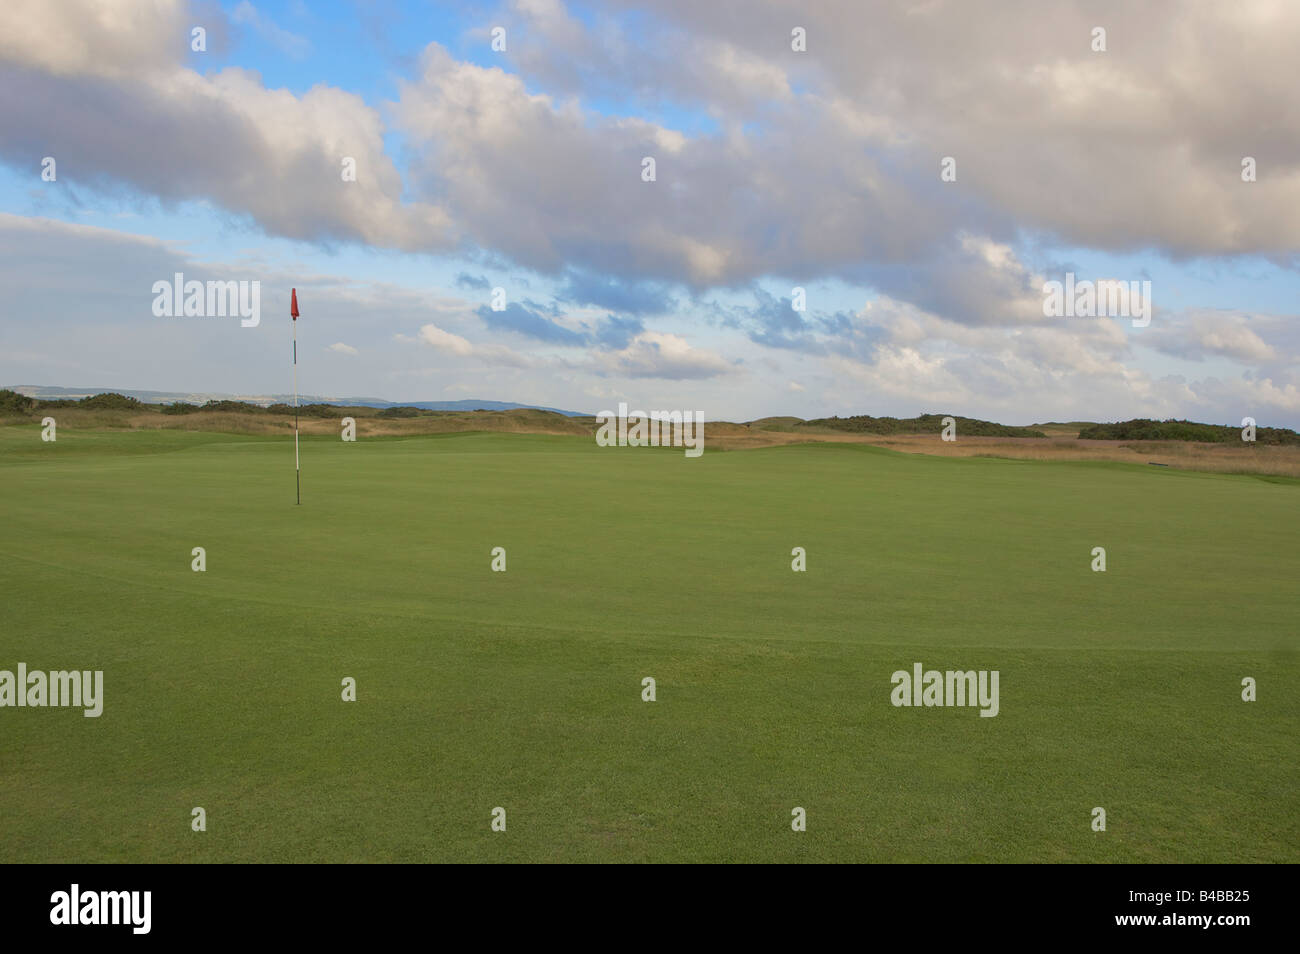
[238,407]
[925,424]
[110,401]
[11,402]
[1145,429]
[320,410]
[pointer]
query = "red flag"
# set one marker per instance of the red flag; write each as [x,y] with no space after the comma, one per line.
[293,304]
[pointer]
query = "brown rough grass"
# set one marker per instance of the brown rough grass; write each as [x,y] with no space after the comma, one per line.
[1272,460]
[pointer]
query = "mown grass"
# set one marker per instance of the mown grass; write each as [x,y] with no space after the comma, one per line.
[523,689]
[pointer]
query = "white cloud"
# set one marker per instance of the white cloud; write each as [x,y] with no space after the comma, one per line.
[653,354]
[491,354]
[1198,334]
[445,341]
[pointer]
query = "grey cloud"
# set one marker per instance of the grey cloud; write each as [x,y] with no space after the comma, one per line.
[538,321]
[633,298]
[525,320]
[616,331]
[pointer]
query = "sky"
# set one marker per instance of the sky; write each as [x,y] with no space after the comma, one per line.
[911,174]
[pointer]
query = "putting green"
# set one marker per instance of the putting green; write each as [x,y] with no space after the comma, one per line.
[523,689]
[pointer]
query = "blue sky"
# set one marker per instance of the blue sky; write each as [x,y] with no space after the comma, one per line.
[521,170]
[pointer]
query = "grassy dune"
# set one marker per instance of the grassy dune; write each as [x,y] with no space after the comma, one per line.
[523,689]
[1054,441]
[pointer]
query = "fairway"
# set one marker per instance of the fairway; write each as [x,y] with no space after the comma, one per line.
[522,689]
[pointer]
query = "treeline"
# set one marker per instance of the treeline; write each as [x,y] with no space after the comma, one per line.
[1144,429]
[925,424]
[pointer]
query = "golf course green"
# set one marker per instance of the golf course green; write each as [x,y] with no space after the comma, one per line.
[523,689]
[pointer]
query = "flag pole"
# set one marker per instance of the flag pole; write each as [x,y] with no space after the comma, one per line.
[297,466]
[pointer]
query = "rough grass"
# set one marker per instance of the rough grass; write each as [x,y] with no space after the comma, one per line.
[1258,459]
[1061,442]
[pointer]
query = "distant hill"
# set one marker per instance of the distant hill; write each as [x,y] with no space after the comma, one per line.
[447,405]
[43,393]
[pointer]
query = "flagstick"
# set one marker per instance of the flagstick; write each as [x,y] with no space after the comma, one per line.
[297,466]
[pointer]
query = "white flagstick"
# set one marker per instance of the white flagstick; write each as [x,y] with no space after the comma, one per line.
[297,466]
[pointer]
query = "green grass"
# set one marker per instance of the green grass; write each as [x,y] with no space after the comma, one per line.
[478,689]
